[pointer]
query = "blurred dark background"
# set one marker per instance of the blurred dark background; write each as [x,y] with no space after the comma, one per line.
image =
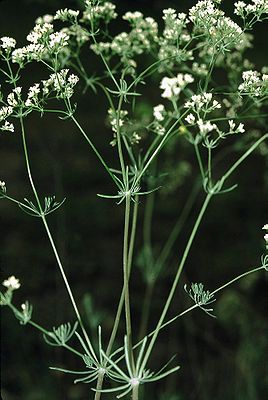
[223,358]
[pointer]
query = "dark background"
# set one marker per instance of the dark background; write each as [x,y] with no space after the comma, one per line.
[221,359]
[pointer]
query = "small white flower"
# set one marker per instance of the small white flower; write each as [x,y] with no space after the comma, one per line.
[7,127]
[57,40]
[190,119]
[266,238]
[205,126]
[8,43]
[12,283]
[3,186]
[265,227]
[240,128]
[158,112]
[173,86]
[231,124]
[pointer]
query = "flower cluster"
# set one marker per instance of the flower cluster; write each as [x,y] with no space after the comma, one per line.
[202,101]
[60,83]
[174,23]
[8,43]
[254,84]
[221,32]
[173,39]
[44,42]
[96,11]
[33,92]
[265,228]
[66,15]
[256,11]
[141,38]
[14,98]
[201,105]
[172,87]
[6,112]
[12,283]
[116,122]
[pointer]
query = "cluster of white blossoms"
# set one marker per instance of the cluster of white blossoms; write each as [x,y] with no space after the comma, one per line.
[159,112]
[12,283]
[116,122]
[202,101]
[8,43]
[5,112]
[203,104]
[140,39]
[44,19]
[258,7]
[57,41]
[14,98]
[199,69]
[60,83]
[105,11]
[172,87]
[32,99]
[172,42]
[221,32]
[174,23]
[254,83]
[66,15]
[265,227]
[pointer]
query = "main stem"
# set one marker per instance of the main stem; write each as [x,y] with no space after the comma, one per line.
[135,392]
[126,278]
[176,280]
[121,301]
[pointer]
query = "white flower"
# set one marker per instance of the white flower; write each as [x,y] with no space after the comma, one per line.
[47,18]
[12,283]
[158,112]
[205,126]
[66,14]
[18,55]
[3,186]
[173,86]
[190,119]
[239,7]
[265,227]
[8,43]
[239,129]
[266,238]
[5,112]
[73,79]
[7,127]
[132,16]
[57,40]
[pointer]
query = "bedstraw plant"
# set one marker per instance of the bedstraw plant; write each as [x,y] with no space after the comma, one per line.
[210,94]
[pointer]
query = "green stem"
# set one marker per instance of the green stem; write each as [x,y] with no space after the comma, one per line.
[130,256]
[135,392]
[163,256]
[176,280]
[118,137]
[199,159]
[209,164]
[43,330]
[52,241]
[126,277]
[99,384]
[94,149]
